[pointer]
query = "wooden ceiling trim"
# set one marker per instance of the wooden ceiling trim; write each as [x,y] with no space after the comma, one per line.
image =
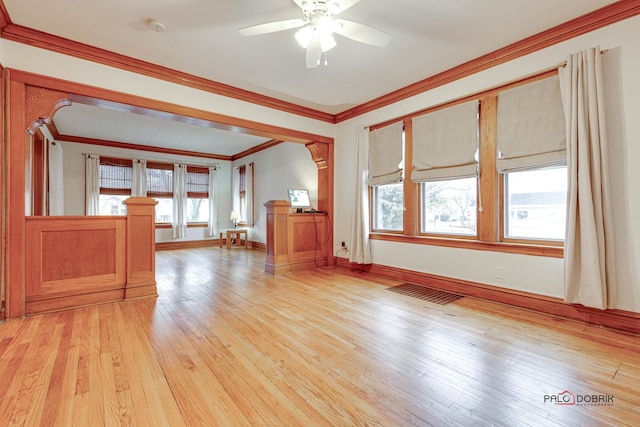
[602,17]
[91,95]
[36,38]
[139,147]
[253,150]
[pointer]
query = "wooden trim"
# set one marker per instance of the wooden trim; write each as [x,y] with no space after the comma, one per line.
[512,248]
[5,19]
[592,21]
[39,39]
[410,217]
[42,104]
[139,147]
[188,244]
[616,319]
[488,185]
[100,97]
[73,301]
[253,150]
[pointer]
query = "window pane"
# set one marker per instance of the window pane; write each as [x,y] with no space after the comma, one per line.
[536,204]
[197,210]
[164,210]
[112,205]
[449,207]
[388,207]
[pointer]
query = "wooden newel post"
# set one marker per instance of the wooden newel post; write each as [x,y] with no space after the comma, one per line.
[277,215]
[141,247]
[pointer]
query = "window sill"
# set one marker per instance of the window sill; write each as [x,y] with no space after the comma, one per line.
[513,248]
[189,225]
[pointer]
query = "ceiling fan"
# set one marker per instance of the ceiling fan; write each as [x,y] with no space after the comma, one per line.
[317,26]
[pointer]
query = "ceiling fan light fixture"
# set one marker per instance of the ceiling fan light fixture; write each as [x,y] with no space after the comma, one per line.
[327,42]
[304,36]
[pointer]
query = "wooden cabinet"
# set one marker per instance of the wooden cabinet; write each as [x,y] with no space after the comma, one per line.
[295,241]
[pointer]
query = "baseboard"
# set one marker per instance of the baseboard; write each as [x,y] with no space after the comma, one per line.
[616,319]
[192,244]
[186,244]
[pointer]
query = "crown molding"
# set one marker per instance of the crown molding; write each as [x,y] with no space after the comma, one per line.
[599,18]
[138,147]
[36,38]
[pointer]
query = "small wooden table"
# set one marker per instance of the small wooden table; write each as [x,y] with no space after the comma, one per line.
[234,234]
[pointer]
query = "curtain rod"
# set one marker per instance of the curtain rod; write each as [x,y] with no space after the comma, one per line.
[216,164]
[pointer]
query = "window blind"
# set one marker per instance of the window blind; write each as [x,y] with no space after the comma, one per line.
[159,179]
[531,128]
[385,154]
[115,176]
[197,182]
[445,143]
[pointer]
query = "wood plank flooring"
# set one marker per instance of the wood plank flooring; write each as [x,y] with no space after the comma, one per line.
[226,345]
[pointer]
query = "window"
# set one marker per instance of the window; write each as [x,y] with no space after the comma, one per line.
[197,194]
[386,153]
[115,185]
[535,204]
[489,167]
[388,207]
[242,195]
[449,207]
[160,187]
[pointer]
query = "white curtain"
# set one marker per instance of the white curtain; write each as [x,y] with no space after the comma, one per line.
[56,179]
[213,194]
[360,246]
[235,190]
[179,223]
[248,195]
[589,256]
[139,178]
[92,184]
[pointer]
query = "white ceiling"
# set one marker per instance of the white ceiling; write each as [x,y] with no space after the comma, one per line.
[201,38]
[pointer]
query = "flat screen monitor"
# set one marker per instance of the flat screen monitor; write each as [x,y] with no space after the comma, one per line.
[299,199]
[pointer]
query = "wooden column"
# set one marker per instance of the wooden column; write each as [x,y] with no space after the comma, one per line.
[141,253]
[277,214]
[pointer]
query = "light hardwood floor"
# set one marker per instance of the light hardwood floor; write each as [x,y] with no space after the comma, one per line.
[225,344]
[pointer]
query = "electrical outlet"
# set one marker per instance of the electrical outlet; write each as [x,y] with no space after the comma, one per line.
[343,244]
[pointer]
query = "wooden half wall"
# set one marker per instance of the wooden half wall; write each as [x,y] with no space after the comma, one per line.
[73,261]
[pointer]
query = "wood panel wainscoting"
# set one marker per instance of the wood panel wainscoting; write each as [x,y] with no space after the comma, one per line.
[295,241]
[75,261]
[617,319]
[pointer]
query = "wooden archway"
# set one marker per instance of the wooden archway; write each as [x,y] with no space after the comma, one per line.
[32,101]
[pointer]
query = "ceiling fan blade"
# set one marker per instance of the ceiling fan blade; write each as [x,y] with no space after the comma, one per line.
[335,6]
[272,27]
[361,33]
[313,53]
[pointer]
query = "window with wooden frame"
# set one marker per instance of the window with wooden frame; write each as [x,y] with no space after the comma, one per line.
[386,163]
[484,172]
[115,185]
[160,187]
[197,194]
[242,193]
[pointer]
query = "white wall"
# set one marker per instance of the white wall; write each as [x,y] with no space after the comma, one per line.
[287,165]
[534,274]
[74,183]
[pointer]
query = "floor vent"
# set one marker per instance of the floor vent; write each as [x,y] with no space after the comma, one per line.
[435,296]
